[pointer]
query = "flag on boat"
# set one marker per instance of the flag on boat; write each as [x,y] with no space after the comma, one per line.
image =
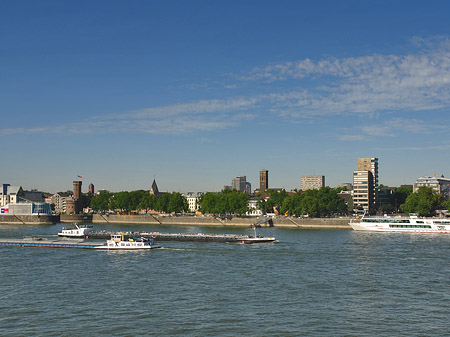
[80,177]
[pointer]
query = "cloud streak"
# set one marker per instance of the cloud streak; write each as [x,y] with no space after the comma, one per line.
[304,91]
[369,84]
[177,119]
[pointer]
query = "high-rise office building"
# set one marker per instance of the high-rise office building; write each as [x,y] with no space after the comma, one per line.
[369,164]
[311,182]
[365,184]
[263,180]
[363,191]
[239,184]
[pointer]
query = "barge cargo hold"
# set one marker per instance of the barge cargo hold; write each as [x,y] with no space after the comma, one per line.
[200,237]
[40,242]
[113,244]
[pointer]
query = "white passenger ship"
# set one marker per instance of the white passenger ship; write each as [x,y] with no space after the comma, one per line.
[76,231]
[123,241]
[412,224]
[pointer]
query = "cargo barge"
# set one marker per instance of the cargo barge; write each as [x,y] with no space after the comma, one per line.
[40,242]
[199,237]
[120,241]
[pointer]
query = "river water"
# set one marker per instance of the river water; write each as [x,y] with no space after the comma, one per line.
[310,283]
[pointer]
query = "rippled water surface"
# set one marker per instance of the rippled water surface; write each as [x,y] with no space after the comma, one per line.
[311,283]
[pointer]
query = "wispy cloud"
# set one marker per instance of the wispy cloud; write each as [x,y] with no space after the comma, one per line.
[177,119]
[395,127]
[369,84]
[378,87]
[445,147]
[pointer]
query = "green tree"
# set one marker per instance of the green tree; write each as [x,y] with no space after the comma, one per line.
[100,202]
[275,201]
[135,198]
[162,203]
[424,202]
[177,203]
[226,202]
[399,196]
[446,205]
[121,201]
[147,202]
[322,202]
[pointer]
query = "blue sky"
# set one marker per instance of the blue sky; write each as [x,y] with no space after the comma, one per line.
[195,93]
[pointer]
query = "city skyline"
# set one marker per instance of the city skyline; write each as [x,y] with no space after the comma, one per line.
[196,93]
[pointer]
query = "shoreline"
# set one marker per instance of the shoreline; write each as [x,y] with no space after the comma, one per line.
[186,220]
[178,220]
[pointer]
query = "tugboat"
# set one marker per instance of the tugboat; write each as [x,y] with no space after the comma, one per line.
[124,241]
[76,232]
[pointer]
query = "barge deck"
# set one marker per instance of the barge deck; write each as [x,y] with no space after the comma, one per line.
[199,237]
[48,243]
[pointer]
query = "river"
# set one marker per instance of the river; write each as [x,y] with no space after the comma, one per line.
[310,283]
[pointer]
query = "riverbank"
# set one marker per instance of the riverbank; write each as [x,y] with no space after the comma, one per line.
[29,219]
[286,222]
[178,220]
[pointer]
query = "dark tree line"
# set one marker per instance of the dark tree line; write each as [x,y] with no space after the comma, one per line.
[139,200]
[226,202]
[425,202]
[317,203]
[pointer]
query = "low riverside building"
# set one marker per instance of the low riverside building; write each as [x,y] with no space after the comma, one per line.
[439,184]
[193,199]
[59,200]
[10,194]
[13,202]
[254,207]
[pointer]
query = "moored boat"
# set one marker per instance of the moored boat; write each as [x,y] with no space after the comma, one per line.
[411,224]
[76,231]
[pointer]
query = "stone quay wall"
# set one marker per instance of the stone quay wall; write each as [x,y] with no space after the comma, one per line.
[28,219]
[220,221]
[76,218]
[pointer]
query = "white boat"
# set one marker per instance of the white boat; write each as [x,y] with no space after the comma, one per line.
[412,224]
[125,242]
[76,231]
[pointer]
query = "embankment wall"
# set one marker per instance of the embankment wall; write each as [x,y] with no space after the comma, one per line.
[217,221]
[28,219]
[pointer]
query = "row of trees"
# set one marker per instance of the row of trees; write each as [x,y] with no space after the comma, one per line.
[322,202]
[226,202]
[318,203]
[425,202]
[139,200]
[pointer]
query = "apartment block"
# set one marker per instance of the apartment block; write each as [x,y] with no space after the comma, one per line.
[363,194]
[439,184]
[239,184]
[311,182]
